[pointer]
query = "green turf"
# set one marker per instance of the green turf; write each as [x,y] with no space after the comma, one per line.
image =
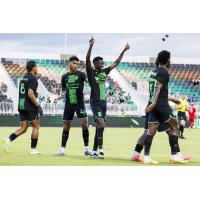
[118,144]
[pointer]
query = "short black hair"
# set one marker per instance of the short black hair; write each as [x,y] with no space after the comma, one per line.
[96,59]
[73,58]
[157,63]
[30,65]
[163,57]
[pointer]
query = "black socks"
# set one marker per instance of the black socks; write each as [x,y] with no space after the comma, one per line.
[138,148]
[13,136]
[173,141]
[85,136]
[34,143]
[65,136]
[98,140]
[147,144]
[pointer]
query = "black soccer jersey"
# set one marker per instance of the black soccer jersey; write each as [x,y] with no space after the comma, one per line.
[29,81]
[161,75]
[97,83]
[73,84]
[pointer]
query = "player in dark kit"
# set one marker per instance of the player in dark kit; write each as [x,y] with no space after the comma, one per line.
[162,127]
[28,107]
[96,79]
[159,111]
[72,85]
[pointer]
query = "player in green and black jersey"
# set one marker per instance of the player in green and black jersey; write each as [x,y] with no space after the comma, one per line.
[162,127]
[28,107]
[72,86]
[96,79]
[160,111]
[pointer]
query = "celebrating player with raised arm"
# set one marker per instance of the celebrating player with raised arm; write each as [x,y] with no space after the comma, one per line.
[96,79]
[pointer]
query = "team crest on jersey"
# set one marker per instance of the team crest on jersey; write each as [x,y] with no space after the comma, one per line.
[72,78]
[100,77]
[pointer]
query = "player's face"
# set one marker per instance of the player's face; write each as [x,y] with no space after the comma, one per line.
[99,65]
[35,70]
[73,65]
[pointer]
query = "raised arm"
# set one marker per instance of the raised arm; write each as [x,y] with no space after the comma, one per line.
[120,57]
[88,62]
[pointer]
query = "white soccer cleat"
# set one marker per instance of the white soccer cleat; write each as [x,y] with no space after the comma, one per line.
[88,152]
[177,159]
[34,152]
[184,156]
[61,152]
[6,144]
[148,160]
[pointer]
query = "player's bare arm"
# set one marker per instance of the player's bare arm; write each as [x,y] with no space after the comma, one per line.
[118,60]
[60,97]
[176,101]
[33,98]
[155,97]
[88,62]
[34,101]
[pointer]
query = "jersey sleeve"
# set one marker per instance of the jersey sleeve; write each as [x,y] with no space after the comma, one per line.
[107,70]
[32,84]
[63,83]
[162,76]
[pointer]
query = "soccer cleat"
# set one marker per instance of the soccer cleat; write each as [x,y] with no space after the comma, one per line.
[6,144]
[34,152]
[94,155]
[87,152]
[177,159]
[101,155]
[148,160]
[61,153]
[185,157]
[137,158]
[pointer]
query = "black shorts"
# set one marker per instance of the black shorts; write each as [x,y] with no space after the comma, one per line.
[99,109]
[162,127]
[28,115]
[160,114]
[182,116]
[71,109]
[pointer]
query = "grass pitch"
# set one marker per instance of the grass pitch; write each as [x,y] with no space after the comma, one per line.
[118,146]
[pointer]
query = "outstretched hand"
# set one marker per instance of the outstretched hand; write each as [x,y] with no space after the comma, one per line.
[91,41]
[127,47]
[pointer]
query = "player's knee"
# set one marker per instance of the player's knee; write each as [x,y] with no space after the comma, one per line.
[66,127]
[24,129]
[101,125]
[84,126]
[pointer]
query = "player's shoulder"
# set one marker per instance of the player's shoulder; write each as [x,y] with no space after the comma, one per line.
[81,73]
[65,75]
[106,69]
[162,70]
[30,77]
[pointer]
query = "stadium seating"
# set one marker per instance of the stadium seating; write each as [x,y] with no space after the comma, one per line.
[184,78]
[50,73]
[181,77]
